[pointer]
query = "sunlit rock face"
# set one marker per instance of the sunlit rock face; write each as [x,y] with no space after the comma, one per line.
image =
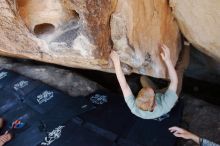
[81,33]
[43,17]
[138,27]
[199,22]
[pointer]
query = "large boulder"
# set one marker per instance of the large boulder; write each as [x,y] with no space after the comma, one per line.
[138,28]
[199,22]
[71,33]
[81,33]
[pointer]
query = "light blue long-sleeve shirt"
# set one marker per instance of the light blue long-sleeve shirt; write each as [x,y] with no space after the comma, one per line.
[164,103]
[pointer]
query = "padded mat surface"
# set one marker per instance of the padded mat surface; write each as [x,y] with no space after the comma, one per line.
[115,116]
[47,116]
[32,109]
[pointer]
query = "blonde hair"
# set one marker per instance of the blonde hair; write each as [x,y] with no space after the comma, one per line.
[143,98]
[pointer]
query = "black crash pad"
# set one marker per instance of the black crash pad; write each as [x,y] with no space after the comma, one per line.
[111,114]
[53,118]
[111,123]
[73,134]
[7,101]
[6,77]
[21,86]
[38,106]
[115,117]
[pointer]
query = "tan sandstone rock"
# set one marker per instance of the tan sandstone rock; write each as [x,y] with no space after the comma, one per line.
[75,34]
[199,22]
[138,27]
[79,33]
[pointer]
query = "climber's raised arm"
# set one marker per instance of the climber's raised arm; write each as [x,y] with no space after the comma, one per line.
[120,75]
[165,54]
